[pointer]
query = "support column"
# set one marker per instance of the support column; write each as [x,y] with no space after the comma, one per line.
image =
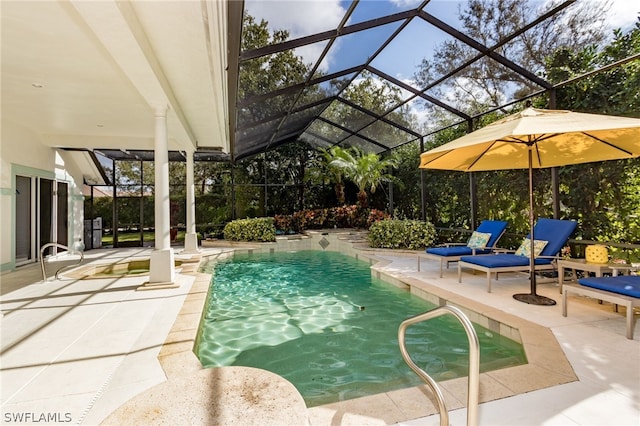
[191,236]
[473,200]
[162,263]
[473,190]
[555,180]
[391,201]
[423,188]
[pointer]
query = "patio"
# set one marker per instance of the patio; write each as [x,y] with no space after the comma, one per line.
[79,350]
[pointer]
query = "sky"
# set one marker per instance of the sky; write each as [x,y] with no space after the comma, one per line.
[402,57]
[305,17]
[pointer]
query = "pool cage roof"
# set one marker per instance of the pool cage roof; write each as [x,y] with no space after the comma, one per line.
[317,105]
[316,99]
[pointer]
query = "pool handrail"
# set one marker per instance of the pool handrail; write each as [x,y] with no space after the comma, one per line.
[46,246]
[474,361]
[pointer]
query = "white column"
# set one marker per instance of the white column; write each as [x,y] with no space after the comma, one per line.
[191,237]
[162,263]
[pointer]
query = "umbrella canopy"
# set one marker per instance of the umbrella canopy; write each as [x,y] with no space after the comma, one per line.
[534,139]
[556,138]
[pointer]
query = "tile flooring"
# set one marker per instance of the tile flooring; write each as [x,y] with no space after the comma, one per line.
[98,351]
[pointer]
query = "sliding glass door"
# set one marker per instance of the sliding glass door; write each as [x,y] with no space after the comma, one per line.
[41,215]
[24,222]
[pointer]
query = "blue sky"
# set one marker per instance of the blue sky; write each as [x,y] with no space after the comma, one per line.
[402,57]
[305,17]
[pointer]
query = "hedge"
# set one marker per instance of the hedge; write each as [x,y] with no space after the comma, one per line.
[257,229]
[402,234]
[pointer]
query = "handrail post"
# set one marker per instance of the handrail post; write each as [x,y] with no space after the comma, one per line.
[46,246]
[474,362]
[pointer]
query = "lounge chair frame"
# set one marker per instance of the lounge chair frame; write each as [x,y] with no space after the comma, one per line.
[549,255]
[619,299]
[446,260]
[518,269]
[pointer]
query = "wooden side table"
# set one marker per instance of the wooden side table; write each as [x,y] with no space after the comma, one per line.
[621,268]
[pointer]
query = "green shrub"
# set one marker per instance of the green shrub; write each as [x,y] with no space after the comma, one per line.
[258,229]
[401,234]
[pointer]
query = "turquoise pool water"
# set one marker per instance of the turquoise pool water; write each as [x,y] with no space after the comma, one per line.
[321,321]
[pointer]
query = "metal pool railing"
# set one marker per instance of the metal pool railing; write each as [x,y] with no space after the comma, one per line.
[46,246]
[474,361]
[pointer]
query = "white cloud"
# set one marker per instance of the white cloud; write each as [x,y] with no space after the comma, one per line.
[300,18]
[623,13]
[402,4]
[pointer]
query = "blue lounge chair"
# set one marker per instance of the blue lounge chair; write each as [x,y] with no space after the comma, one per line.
[452,252]
[621,290]
[553,232]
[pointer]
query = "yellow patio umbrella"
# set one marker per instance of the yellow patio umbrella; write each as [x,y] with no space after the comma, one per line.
[538,138]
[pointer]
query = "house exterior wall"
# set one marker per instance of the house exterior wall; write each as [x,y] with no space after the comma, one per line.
[22,152]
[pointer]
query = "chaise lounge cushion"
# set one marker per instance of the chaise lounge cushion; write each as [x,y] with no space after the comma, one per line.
[555,232]
[455,251]
[629,285]
[494,228]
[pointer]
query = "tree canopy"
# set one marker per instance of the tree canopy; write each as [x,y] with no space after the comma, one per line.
[487,83]
[604,197]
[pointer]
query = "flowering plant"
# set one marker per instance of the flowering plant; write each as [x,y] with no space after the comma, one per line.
[618,261]
[341,217]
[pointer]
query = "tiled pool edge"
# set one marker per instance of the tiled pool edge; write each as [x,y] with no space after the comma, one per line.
[195,395]
[547,363]
[548,366]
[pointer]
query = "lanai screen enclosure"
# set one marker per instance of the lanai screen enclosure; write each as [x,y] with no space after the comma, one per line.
[301,83]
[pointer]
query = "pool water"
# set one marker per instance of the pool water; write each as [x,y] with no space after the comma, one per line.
[322,322]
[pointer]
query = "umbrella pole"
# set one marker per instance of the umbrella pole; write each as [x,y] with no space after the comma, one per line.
[532,298]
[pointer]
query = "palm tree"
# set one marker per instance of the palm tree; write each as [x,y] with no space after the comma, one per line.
[335,158]
[367,171]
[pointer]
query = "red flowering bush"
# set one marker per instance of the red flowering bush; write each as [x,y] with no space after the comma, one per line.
[344,216]
[283,223]
[375,216]
[339,217]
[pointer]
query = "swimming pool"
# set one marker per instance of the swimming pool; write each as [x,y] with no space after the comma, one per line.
[321,321]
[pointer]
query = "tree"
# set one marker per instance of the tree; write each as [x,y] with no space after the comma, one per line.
[265,74]
[488,83]
[608,201]
[613,92]
[298,164]
[447,192]
[332,171]
[379,97]
[366,170]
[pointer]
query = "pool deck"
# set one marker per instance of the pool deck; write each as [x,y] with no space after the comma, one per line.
[101,351]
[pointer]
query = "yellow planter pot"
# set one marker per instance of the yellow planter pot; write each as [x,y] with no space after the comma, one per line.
[597,253]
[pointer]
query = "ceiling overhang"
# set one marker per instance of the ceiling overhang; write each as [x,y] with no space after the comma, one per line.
[92,74]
